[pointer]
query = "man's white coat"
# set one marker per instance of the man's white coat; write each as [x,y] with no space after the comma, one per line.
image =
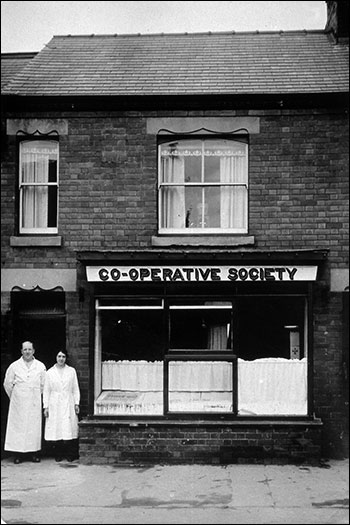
[24,387]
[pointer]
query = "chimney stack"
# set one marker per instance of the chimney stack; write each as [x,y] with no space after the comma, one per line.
[338,20]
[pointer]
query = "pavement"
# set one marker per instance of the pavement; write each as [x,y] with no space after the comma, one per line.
[73,493]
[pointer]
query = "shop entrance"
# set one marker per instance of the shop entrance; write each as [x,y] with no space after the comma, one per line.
[39,317]
[46,333]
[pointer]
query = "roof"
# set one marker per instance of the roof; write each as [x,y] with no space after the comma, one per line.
[12,63]
[186,64]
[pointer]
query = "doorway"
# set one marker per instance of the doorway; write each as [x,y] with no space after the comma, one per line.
[36,316]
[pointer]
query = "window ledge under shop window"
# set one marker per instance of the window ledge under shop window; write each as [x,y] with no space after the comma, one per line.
[203,240]
[97,420]
[41,240]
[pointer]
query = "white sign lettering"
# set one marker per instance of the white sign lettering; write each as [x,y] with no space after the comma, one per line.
[200,273]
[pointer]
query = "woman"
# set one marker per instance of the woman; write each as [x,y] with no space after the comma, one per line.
[61,408]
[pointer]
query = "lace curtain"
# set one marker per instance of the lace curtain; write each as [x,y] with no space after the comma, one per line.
[233,201]
[271,386]
[35,158]
[174,196]
[233,209]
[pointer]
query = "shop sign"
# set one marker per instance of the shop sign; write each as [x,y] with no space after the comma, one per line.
[200,273]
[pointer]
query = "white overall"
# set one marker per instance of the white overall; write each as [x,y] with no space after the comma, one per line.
[61,393]
[24,387]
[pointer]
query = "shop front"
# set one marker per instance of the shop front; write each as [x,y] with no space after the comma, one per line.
[199,356]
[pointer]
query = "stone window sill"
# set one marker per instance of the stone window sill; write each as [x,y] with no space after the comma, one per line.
[202,240]
[36,241]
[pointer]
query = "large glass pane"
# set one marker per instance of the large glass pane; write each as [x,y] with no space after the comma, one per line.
[232,152]
[200,329]
[193,164]
[132,350]
[233,207]
[271,339]
[35,207]
[181,161]
[132,334]
[202,207]
[52,207]
[200,386]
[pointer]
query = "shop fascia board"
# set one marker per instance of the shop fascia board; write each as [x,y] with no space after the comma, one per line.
[190,255]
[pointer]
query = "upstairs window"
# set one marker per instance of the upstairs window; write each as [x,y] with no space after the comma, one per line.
[203,186]
[38,186]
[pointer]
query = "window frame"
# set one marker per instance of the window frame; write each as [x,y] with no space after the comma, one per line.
[243,139]
[51,230]
[233,354]
[190,356]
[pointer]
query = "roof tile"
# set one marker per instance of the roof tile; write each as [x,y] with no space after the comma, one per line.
[216,63]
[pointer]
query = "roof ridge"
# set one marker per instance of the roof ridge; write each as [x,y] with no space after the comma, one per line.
[19,54]
[228,32]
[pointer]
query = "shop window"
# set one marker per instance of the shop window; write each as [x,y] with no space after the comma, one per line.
[38,186]
[130,349]
[271,338]
[246,356]
[200,380]
[203,185]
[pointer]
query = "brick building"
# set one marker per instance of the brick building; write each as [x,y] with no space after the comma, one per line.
[175,215]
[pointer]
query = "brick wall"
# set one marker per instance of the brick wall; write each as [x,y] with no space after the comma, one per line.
[108,173]
[298,199]
[78,340]
[330,401]
[180,442]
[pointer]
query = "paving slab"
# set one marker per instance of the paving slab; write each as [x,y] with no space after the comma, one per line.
[72,493]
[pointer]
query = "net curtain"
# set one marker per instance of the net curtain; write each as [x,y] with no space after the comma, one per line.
[233,205]
[232,198]
[269,386]
[35,168]
[174,196]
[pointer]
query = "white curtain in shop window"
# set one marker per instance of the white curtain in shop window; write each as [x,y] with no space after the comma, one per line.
[272,386]
[233,208]
[35,168]
[132,375]
[174,196]
[183,375]
[217,337]
[203,376]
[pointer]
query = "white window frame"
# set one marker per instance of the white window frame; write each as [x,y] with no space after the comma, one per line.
[202,184]
[22,185]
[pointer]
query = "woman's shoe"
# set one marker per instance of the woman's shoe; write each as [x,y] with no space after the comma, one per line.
[58,459]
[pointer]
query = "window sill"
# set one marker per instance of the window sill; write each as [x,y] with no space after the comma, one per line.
[203,240]
[97,420]
[36,241]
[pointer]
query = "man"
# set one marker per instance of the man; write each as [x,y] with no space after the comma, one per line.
[24,384]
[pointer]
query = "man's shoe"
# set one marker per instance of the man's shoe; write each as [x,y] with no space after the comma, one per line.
[58,459]
[17,461]
[35,459]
